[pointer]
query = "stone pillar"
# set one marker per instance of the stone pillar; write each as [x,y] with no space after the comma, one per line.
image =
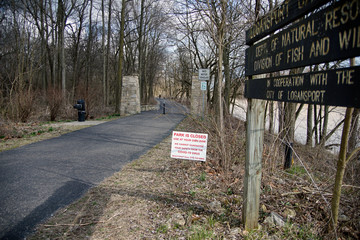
[198,98]
[130,98]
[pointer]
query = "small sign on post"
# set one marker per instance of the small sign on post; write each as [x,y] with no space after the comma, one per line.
[204,74]
[203,86]
[189,146]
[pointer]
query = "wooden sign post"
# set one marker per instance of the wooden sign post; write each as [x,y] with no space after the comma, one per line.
[329,35]
[254,149]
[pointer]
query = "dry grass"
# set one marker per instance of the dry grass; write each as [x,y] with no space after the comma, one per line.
[139,202]
[148,196]
[13,135]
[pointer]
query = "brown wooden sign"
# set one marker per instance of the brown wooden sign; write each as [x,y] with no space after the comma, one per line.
[329,35]
[285,13]
[340,87]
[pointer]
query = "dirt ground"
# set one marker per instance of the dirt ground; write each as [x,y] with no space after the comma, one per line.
[156,197]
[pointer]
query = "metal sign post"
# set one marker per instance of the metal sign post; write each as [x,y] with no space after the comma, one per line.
[203,89]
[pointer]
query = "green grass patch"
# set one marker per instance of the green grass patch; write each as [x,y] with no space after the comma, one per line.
[162,229]
[200,233]
[211,221]
[296,170]
[229,191]
[57,121]
[109,117]
[202,177]
[289,231]
[192,193]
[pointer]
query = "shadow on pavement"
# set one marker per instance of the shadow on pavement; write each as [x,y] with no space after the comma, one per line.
[63,196]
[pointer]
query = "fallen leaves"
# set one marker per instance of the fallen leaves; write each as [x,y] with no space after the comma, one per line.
[157,197]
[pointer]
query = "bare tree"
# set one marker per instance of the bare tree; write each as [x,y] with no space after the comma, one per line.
[103,48]
[309,129]
[121,54]
[214,18]
[89,59]
[64,9]
[106,92]
[76,46]
[141,49]
[354,130]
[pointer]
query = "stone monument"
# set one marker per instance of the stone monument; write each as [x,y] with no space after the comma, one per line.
[130,98]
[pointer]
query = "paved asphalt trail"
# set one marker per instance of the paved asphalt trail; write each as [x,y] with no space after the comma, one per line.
[38,179]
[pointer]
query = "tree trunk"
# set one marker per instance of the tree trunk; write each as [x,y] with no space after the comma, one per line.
[341,165]
[324,126]
[215,98]
[76,72]
[43,46]
[354,134]
[309,129]
[121,54]
[54,37]
[220,112]
[103,50]
[290,115]
[227,78]
[271,117]
[141,53]
[107,80]
[61,45]
[354,130]
[89,50]
[221,35]
[280,117]
[316,122]
[62,64]
[289,122]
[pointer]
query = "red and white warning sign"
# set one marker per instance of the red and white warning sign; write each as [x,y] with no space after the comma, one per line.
[190,146]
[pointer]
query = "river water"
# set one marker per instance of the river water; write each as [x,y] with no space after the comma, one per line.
[336,115]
